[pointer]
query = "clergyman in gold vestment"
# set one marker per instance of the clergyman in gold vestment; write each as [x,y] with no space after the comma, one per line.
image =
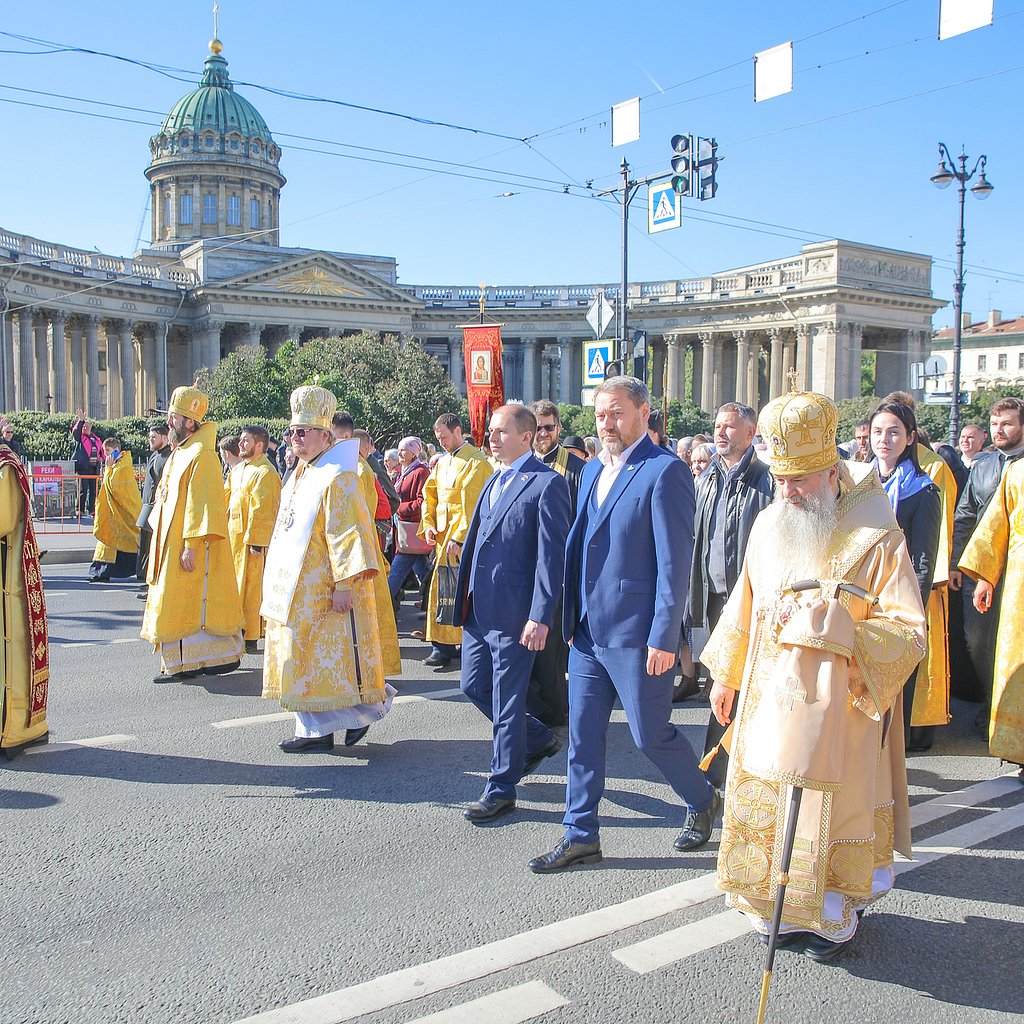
[193,614]
[118,504]
[323,657]
[810,679]
[254,494]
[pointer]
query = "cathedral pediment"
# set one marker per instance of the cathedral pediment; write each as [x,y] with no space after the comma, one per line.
[316,276]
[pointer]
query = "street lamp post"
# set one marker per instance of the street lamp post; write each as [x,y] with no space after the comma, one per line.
[942,178]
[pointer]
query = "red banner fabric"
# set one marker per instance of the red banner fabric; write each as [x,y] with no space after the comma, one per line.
[484,385]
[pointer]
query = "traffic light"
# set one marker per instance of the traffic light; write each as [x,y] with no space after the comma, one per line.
[682,164]
[707,166]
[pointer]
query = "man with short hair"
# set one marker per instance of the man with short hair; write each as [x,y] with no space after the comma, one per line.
[859,449]
[7,438]
[193,613]
[626,568]
[255,493]
[1006,423]
[736,487]
[230,454]
[117,510]
[972,441]
[510,582]
[819,635]
[547,448]
[449,498]
[683,448]
[160,452]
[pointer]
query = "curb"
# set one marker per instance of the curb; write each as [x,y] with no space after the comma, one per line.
[66,556]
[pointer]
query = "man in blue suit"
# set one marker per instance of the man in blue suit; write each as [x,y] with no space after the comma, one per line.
[627,569]
[510,581]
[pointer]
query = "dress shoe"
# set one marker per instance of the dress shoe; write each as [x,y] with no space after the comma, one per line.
[817,948]
[533,760]
[686,688]
[252,647]
[221,670]
[786,940]
[699,825]
[487,808]
[174,677]
[142,597]
[353,736]
[566,854]
[437,660]
[307,744]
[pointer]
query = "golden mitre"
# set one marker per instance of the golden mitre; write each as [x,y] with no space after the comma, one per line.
[313,406]
[190,402]
[800,432]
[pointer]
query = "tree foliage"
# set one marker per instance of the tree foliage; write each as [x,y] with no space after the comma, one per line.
[246,384]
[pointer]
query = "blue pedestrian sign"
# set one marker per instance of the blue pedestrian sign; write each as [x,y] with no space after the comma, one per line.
[596,356]
[664,207]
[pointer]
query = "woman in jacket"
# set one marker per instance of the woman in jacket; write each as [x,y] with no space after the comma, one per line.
[411,551]
[917,504]
[88,459]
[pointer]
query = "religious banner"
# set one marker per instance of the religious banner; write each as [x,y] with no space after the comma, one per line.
[484,386]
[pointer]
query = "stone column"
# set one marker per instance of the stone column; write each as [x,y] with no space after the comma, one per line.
[742,394]
[754,388]
[824,365]
[153,350]
[803,357]
[788,357]
[42,362]
[129,406]
[656,353]
[776,364]
[854,341]
[456,361]
[58,361]
[7,394]
[529,370]
[676,358]
[115,403]
[24,362]
[77,365]
[565,368]
[92,366]
[916,345]
[548,360]
[709,350]
[295,333]
[253,332]
[197,208]
[212,348]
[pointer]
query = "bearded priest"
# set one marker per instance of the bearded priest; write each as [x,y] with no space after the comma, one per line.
[193,613]
[323,657]
[808,660]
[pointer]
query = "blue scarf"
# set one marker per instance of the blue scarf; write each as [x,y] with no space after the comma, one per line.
[906,481]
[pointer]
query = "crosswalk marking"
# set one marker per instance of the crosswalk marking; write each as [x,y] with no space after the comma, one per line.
[672,946]
[510,1006]
[117,740]
[931,810]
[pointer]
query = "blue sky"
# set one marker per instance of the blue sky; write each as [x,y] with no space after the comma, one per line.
[847,154]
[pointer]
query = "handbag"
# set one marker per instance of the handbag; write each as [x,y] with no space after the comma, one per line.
[409,542]
[447,585]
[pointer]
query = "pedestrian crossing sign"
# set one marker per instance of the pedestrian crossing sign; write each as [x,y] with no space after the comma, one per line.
[596,356]
[664,207]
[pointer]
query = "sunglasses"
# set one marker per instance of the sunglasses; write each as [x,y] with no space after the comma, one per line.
[298,432]
[543,428]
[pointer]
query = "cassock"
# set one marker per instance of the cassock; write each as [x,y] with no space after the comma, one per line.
[449,498]
[804,717]
[255,493]
[193,618]
[24,651]
[319,662]
[931,690]
[118,504]
[996,552]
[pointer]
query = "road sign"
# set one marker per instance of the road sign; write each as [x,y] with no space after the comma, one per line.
[596,356]
[916,376]
[600,315]
[935,366]
[664,208]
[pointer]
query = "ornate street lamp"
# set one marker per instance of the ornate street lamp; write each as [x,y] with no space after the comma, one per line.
[942,178]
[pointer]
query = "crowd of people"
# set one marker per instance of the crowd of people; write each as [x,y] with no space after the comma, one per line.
[814,595]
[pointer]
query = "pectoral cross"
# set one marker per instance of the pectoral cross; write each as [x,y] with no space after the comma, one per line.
[789,692]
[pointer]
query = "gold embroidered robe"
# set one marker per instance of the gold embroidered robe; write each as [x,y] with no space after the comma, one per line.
[190,510]
[311,662]
[254,496]
[847,829]
[118,504]
[996,551]
[449,499]
[931,691]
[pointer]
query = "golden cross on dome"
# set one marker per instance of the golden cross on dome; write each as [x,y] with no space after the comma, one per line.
[791,374]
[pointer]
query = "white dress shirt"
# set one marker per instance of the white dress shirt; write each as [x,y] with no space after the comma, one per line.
[499,485]
[612,467]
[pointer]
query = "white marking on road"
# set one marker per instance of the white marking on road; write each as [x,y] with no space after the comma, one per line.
[95,643]
[510,1006]
[938,807]
[56,593]
[962,838]
[673,946]
[117,740]
[472,964]
[284,716]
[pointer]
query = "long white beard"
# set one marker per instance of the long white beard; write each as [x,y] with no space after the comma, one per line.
[798,539]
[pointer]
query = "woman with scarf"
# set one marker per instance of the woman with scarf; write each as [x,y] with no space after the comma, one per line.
[917,505]
[410,550]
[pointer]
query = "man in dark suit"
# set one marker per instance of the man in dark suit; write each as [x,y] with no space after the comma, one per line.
[160,452]
[627,567]
[510,580]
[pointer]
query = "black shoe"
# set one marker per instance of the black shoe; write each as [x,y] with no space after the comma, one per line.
[533,760]
[174,677]
[566,854]
[437,660]
[786,940]
[699,825]
[252,647]
[353,736]
[221,670]
[487,808]
[818,949]
[307,744]
[142,597]
[686,688]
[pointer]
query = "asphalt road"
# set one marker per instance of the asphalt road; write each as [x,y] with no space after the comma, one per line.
[182,870]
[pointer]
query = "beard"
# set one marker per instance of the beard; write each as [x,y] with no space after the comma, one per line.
[799,537]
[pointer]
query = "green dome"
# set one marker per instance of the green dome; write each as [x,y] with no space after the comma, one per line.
[215,105]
